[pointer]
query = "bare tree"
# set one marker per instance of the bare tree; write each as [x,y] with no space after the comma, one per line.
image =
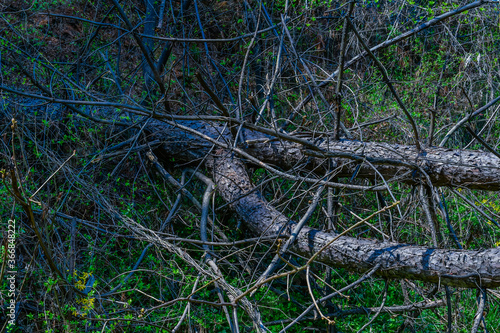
[227,166]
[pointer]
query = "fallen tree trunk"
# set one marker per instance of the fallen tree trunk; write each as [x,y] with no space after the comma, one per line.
[444,167]
[460,268]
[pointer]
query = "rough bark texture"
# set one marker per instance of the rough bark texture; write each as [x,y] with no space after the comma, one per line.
[445,167]
[458,268]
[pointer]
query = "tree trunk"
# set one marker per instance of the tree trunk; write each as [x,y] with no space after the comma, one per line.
[460,268]
[445,167]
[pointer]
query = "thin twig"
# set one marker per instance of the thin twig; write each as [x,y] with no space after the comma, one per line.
[387,80]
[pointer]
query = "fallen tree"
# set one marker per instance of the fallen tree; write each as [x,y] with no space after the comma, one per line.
[443,167]
[458,268]
[314,122]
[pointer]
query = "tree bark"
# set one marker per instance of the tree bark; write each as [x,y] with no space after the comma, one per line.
[459,268]
[445,167]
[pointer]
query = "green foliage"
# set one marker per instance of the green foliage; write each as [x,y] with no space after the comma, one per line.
[428,70]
